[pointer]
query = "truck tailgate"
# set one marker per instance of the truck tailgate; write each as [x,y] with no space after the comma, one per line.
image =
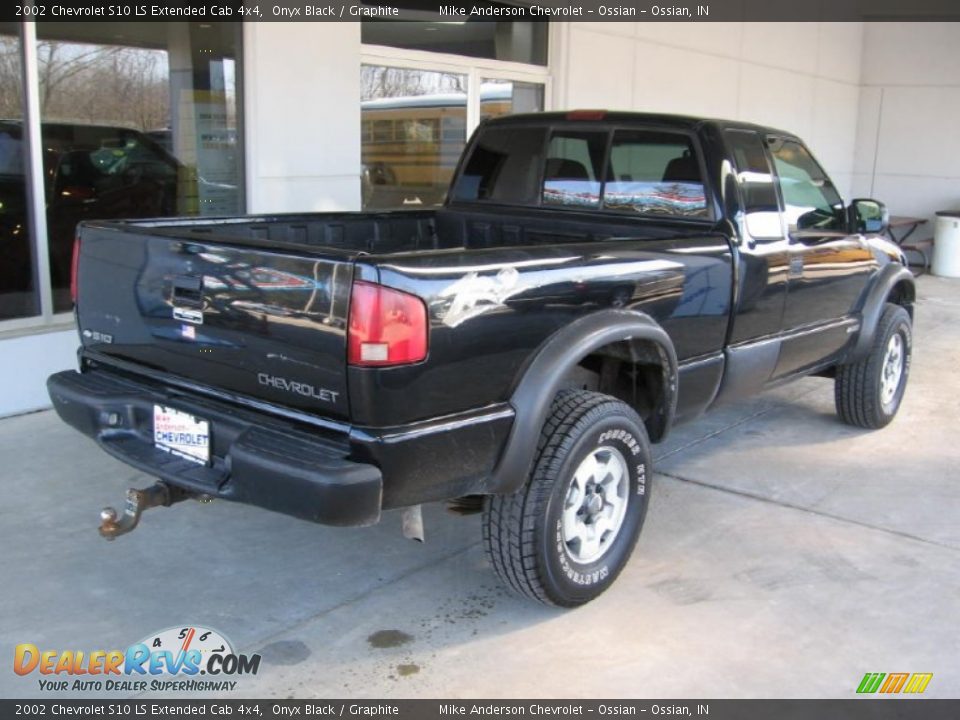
[264,323]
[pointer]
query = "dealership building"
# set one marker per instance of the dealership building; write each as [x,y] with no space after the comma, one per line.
[127,119]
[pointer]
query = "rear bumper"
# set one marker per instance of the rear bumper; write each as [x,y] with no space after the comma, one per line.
[255,459]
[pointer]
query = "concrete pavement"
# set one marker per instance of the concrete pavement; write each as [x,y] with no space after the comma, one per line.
[784,555]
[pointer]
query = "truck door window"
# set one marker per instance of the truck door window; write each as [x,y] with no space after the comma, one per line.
[761,207]
[573,168]
[654,173]
[810,200]
[503,166]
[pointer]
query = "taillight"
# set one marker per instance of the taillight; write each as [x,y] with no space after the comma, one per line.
[387,327]
[74,265]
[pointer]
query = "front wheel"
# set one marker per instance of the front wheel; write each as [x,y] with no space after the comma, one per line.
[868,393]
[565,536]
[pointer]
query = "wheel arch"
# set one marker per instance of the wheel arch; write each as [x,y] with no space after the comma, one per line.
[624,335]
[894,284]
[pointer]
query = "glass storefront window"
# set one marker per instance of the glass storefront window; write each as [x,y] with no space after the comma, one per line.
[506,97]
[18,287]
[413,128]
[138,120]
[523,42]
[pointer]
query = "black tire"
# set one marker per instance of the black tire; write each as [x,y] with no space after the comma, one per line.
[858,389]
[524,532]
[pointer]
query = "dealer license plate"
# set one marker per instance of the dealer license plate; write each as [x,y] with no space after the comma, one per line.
[181,434]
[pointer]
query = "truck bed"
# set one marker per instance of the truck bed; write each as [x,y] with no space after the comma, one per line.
[258,306]
[350,234]
[346,234]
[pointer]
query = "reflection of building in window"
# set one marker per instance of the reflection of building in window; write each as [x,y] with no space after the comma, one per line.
[414,126]
[573,167]
[654,173]
[142,124]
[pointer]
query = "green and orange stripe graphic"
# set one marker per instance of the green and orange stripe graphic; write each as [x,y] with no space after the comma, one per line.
[894,683]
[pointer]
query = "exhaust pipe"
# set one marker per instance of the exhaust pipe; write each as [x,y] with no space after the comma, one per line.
[158,495]
[412,521]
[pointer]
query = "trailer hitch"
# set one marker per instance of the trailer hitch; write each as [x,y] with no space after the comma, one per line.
[158,495]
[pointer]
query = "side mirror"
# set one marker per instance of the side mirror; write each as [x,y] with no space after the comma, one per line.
[868,216]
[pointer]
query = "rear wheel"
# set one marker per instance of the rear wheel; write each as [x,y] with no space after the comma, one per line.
[868,392]
[564,537]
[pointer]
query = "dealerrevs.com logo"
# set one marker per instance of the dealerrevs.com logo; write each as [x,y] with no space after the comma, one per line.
[168,661]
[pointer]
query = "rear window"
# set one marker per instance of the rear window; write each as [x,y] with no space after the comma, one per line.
[574,167]
[654,173]
[647,172]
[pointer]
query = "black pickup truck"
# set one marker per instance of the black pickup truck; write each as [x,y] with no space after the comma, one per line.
[592,279]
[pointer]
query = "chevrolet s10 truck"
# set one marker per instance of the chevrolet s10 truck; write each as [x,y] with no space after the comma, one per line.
[592,279]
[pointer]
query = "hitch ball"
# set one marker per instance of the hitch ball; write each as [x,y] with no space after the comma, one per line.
[158,495]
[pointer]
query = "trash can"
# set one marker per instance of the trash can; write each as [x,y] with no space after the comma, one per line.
[946,244]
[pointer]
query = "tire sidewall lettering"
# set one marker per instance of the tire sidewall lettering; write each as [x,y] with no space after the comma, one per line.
[577,577]
[613,432]
[624,436]
[908,342]
[628,439]
[903,329]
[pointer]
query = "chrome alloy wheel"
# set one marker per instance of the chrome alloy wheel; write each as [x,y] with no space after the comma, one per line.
[892,370]
[596,504]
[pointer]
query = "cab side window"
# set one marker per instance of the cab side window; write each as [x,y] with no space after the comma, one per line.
[504,167]
[810,200]
[758,193]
